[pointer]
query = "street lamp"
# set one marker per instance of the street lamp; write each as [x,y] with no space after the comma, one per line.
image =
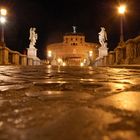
[3,13]
[2,20]
[121,11]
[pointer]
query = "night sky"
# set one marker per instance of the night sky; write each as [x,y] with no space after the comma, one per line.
[54,18]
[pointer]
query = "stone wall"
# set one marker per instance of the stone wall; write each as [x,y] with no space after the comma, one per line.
[9,57]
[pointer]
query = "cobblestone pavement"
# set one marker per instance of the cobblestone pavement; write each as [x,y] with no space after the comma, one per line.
[69,103]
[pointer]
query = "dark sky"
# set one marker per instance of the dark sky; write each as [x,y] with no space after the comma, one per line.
[53,18]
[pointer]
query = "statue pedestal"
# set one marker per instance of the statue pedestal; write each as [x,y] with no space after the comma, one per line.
[32,52]
[103,51]
[32,56]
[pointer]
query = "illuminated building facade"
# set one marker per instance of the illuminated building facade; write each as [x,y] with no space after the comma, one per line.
[73,51]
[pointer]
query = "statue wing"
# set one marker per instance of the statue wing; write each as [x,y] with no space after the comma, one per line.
[30,33]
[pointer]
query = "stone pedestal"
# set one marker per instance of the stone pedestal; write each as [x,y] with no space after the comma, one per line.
[32,52]
[103,51]
[30,61]
[32,56]
[100,62]
[36,61]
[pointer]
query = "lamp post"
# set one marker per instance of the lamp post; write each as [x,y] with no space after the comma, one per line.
[121,11]
[3,13]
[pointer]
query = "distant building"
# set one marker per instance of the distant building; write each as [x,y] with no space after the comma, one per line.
[74,50]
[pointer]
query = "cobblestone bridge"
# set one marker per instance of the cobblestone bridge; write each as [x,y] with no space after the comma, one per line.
[69,103]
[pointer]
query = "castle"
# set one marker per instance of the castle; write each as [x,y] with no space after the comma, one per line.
[73,51]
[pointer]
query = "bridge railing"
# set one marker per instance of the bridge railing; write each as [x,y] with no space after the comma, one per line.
[10,57]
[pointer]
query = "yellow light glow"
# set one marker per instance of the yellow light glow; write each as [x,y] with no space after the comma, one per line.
[49,66]
[125,101]
[81,64]
[49,53]
[2,20]
[59,60]
[85,60]
[3,12]
[64,64]
[122,9]
[90,53]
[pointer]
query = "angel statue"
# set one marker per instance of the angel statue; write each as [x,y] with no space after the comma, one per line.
[103,37]
[33,37]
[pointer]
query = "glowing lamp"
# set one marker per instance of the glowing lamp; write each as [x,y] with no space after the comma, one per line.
[2,20]
[3,12]
[122,9]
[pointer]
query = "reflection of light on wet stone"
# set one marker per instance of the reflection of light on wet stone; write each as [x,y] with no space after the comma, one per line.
[1,124]
[40,93]
[50,82]
[124,135]
[52,92]
[17,121]
[11,87]
[118,87]
[4,88]
[87,80]
[113,87]
[80,123]
[124,100]
[16,111]
[72,103]
[126,81]
[32,94]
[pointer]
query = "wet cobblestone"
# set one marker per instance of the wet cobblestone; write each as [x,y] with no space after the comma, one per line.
[69,103]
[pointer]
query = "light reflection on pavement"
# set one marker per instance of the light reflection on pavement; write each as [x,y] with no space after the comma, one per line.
[69,103]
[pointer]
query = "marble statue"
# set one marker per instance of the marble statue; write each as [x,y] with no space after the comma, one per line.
[32,51]
[74,29]
[103,37]
[33,37]
[103,50]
